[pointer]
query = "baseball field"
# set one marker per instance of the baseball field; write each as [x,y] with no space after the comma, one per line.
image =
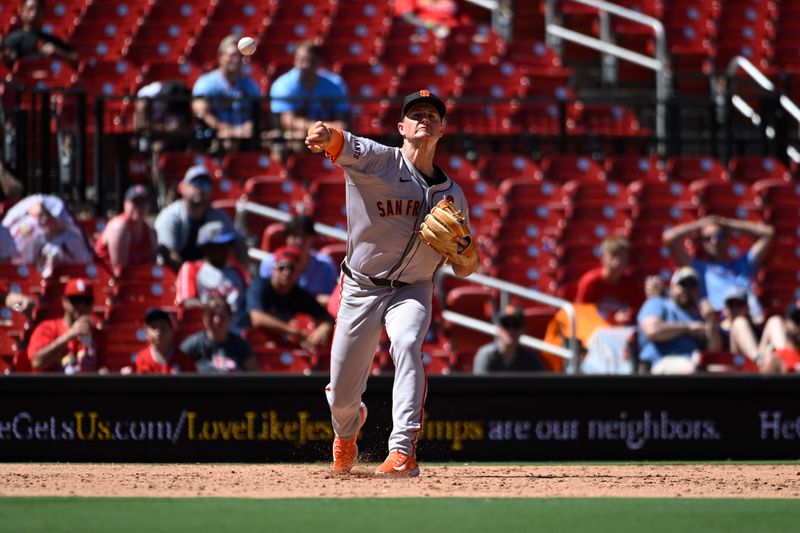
[729,497]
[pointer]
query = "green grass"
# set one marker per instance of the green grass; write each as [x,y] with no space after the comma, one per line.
[441,515]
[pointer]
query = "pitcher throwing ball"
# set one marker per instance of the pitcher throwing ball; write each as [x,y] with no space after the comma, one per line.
[404,215]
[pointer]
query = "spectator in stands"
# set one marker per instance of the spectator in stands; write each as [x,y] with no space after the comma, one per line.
[16,301]
[177,224]
[274,303]
[306,94]
[161,356]
[717,272]
[163,119]
[438,16]
[318,274]
[674,328]
[45,233]
[128,239]
[224,98]
[505,353]
[609,286]
[8,249]
[163,115]
[738,329]
[66,344]
[11,188]
[31,41]
[780,341]
[217,349]
[214,275]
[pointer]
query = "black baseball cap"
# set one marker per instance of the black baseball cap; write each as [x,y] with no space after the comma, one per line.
[422,96]
[154,314]
[510,317]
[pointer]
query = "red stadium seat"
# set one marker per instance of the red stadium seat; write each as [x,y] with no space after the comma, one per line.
[686,169]
[148,273]
[607,193]
[475,302]
[307,168]
[529,53]
[751,169]
[173,165]
[42,73]
[495,168]
[274,191]
[724,198]
[152,71]
[630,168]
[240,166]
[420,52]
[439,79]
[527,192]
[545,119]
[566,167]
[494,119]
[369,80]
[145,294]
[608,120]
[503,80]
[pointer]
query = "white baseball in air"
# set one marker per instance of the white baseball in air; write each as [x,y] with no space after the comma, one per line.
[247,45]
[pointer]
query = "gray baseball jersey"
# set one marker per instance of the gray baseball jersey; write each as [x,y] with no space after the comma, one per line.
[387,200]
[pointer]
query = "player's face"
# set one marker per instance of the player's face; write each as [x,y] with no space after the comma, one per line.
[421,121]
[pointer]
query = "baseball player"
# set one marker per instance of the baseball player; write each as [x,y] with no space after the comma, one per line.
[403,216]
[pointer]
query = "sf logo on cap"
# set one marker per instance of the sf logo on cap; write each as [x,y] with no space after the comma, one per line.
[424,93]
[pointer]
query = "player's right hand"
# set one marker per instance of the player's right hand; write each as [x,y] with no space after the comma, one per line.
[318,137]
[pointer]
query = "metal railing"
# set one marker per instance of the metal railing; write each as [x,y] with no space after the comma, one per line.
[243,207]
[659,64]
[746,66]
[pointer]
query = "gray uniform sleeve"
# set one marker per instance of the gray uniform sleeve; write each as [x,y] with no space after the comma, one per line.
[366,160]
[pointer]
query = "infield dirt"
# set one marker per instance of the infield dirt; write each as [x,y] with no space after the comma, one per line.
[479,481]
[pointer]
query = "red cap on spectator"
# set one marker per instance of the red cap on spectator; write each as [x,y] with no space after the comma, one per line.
[79,287]
[287,255]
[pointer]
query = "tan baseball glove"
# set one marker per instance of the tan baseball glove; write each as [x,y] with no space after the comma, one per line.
[442,228]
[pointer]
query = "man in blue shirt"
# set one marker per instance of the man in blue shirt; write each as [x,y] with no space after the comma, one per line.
[672,329]
[223,98]
[306,94]
[318,273]
[717,272]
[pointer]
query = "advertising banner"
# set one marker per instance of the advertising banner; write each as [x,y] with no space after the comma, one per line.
[286,418]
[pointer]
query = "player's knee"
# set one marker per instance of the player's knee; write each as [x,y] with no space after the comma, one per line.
[406,343]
